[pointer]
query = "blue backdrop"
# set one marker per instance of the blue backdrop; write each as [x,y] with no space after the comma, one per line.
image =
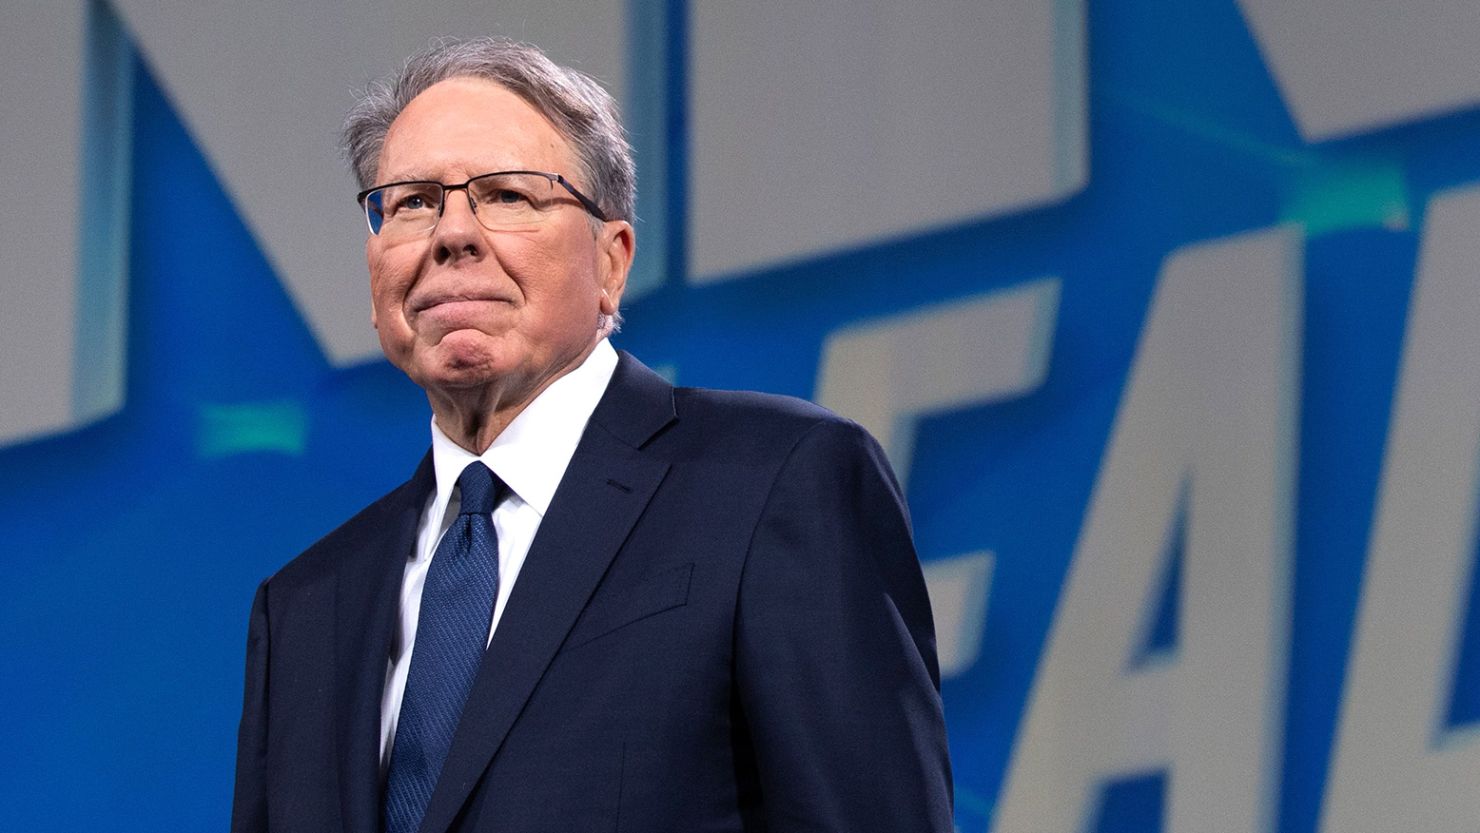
[133,545]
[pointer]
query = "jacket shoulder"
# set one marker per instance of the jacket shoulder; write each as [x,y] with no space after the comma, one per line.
[770,409]
[756,426]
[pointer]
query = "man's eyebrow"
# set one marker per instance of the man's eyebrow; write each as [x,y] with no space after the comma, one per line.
[412,176]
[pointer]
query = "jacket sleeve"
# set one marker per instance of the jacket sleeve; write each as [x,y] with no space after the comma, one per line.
[249,806]
[835,649]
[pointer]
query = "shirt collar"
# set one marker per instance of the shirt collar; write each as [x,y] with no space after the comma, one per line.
[532,453]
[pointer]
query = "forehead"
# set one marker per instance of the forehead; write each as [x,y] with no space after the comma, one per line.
[463,127]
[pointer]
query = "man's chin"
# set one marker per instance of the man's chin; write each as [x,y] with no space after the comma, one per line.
[452,364]
[459,376]
[470,355]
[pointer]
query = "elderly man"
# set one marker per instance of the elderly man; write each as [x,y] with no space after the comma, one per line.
[601,602]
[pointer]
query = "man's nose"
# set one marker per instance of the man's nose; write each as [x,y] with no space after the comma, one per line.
[458,233]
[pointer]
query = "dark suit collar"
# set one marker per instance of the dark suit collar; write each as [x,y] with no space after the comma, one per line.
[367,602]
[605,489]
[637,405]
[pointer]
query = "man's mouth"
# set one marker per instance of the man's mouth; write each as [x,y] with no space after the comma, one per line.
[454,301]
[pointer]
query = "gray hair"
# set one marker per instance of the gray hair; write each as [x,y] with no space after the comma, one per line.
[581,110]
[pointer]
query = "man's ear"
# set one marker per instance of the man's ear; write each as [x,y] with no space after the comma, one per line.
[616,244]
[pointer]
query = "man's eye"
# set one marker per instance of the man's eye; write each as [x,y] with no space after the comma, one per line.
[409,201]
[504,196]
[414,202]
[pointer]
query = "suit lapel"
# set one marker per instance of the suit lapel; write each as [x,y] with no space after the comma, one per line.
[368,596]
[605,489]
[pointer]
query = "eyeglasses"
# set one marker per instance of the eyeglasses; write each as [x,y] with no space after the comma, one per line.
[502,200]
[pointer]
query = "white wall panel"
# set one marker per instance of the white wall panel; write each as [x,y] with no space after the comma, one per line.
[1349,66]
[41,60]
[835,123]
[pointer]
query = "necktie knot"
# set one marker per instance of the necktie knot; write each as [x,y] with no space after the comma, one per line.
[479,488]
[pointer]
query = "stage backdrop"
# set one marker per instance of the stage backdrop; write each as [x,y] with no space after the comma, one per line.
[1168,315]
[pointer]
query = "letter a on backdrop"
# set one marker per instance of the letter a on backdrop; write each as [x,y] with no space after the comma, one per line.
[1207,427]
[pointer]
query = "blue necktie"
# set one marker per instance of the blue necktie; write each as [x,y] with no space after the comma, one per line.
[451,634]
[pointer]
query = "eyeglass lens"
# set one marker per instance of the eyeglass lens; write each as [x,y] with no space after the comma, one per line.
[500,200]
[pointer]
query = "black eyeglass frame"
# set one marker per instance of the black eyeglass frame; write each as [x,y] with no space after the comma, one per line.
[585,201]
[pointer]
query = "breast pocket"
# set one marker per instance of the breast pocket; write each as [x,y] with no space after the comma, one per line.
[656,594]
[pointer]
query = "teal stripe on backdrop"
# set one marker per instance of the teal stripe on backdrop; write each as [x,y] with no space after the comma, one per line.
[102,233]
[655,117]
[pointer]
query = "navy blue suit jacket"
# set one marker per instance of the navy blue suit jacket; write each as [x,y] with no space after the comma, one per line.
[721,626]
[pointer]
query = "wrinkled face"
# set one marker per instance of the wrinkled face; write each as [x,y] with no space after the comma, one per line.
[463,307]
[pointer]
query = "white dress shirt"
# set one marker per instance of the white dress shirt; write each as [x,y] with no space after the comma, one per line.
[530,456]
